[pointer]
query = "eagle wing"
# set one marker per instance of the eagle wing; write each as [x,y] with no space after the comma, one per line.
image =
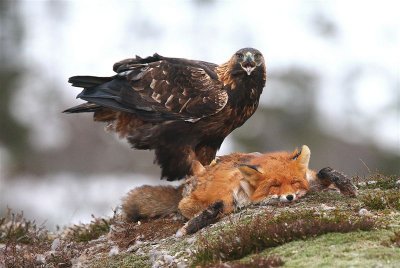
[158,88]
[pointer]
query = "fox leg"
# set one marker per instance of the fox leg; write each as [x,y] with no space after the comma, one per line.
[328,176]
[189,207]
[207,150]
[205,218]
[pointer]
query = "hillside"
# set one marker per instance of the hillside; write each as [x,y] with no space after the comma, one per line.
[322,229]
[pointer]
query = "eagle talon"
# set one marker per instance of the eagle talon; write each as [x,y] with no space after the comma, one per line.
[215,161]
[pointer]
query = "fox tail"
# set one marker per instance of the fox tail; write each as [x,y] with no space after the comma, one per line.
[151,202]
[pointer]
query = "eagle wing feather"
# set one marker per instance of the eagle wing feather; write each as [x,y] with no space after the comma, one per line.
[159,88]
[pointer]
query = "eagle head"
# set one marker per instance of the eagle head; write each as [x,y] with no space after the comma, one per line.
[248,59]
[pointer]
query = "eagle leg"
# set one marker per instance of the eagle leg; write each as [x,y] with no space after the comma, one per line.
[207,150]
[175,162]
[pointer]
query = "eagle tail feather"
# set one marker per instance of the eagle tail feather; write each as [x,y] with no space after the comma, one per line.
[83,108]
[86,81]
[99,91]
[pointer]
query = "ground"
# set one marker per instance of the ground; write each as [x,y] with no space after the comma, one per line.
[323,229]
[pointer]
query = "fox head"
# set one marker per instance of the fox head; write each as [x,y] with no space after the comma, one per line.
[281,175]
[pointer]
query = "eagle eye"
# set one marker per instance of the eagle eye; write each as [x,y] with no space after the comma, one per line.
[257,56]
[239,55]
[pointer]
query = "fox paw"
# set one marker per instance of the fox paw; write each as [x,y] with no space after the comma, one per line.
[182,231]
[203,219]
[341,181]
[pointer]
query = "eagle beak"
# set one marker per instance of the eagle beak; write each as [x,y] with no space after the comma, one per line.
[248,63]
[249,69]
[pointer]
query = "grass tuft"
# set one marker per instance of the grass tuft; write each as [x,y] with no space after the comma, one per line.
[87,232]
[17,234]
[377,180]
[267,231]
[27,245]
[380,200]
[15,228]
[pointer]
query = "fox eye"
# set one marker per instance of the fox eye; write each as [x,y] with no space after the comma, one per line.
[275,185]
[273,189]
[296,183]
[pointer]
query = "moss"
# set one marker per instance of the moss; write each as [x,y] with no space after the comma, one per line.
[394,240]
[256,261]
[122,261]
[356,249]
[178,246]
[331,199]
[325,197]
[266,231]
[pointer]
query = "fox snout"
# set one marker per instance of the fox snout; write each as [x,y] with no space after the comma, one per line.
[288,197]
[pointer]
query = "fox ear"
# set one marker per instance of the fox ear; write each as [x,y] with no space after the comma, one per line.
[197,168]
[250,173]
[303,156]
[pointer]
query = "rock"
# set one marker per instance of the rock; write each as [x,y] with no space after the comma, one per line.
[168,259]
[56,244]
[364,212]
[325,207]
[181,265]
[191,240]
[135,246]
[113,251]
[40,259]
[154,255]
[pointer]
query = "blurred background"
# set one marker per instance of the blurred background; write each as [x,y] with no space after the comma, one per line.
[333,84]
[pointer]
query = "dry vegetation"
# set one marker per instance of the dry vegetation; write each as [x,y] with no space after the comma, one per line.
[322,229]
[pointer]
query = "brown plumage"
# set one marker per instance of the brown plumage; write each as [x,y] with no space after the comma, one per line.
[183,109]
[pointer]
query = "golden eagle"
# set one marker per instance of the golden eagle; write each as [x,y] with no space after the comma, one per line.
[183,109]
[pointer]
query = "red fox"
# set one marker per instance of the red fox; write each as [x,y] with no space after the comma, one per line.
[232,182]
